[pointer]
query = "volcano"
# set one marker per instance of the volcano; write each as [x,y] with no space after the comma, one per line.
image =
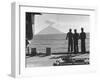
[50,30]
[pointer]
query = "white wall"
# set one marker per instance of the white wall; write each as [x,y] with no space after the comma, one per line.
[5,40]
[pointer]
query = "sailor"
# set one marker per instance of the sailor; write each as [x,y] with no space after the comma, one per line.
[75,38]
[82,38]
[70,40]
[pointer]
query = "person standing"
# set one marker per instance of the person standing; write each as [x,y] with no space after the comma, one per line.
[75,38]
[82,38]
[70,40]
[27,46]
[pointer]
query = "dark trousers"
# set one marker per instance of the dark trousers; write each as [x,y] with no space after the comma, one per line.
[76,46]
[27,48]
[83,50]
[70,45]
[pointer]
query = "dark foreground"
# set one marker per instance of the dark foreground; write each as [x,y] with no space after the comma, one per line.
[60,59]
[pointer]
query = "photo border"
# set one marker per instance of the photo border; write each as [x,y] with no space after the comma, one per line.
[17,61]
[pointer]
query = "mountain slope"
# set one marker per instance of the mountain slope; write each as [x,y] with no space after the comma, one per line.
[50,30]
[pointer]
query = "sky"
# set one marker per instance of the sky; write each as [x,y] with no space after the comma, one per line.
[62,22]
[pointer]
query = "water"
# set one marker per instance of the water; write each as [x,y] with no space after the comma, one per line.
[57,43]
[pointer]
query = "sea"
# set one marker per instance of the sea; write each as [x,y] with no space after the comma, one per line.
[57,43]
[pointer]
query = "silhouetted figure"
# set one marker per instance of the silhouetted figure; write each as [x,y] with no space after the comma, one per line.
[27,47]
[70,40]
[27,43]
[75,37]
[83,37]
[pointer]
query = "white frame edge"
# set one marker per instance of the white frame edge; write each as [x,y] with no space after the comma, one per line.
[15,35]
[15,72]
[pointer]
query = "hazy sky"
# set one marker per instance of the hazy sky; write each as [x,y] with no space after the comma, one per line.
[62,22]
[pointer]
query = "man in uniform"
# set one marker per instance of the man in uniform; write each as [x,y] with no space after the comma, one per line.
[27,46]
[75,37]
[70,40]
[83,37]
